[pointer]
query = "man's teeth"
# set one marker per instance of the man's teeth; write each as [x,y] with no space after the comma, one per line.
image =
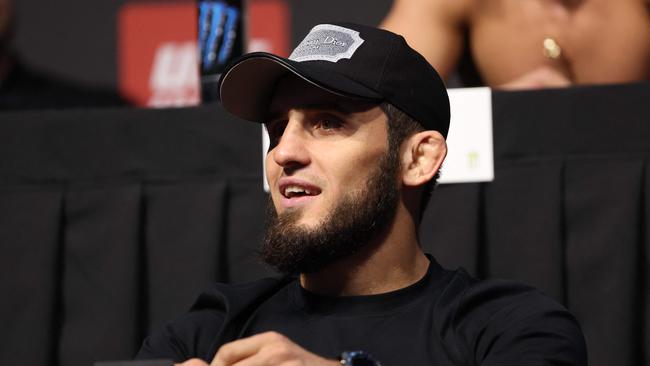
[291,191]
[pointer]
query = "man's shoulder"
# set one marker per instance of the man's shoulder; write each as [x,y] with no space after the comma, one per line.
[468,296]
[221,304]
[232,296]
[497,319]
[213,320]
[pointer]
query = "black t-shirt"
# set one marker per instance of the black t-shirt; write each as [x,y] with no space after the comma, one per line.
[446,318]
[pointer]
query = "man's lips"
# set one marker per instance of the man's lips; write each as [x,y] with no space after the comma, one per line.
[296,192]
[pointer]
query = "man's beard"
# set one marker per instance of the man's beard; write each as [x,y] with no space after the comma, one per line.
[353,223]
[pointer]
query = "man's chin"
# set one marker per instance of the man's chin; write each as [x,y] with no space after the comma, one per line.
[301,217]
[307,224]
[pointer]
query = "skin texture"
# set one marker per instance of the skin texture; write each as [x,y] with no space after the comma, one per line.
[333,144]
[602,41]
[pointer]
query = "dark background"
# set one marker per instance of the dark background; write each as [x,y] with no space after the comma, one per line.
[76,38]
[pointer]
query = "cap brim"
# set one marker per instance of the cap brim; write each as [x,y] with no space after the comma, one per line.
[246,87]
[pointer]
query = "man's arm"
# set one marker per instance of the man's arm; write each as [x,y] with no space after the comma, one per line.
[506,323]
[544,339]
[434,28]
[191,335]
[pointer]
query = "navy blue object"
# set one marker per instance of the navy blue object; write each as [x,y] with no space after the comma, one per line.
[358,358]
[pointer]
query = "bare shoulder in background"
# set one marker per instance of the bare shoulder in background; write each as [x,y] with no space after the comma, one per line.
[529,44]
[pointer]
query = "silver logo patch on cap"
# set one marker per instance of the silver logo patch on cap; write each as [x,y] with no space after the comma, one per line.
[327,42]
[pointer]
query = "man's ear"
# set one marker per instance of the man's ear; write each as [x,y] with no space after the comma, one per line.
[422,155]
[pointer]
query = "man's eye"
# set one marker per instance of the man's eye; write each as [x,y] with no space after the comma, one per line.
[328,123]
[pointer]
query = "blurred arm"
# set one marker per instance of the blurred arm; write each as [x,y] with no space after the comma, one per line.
[432,27]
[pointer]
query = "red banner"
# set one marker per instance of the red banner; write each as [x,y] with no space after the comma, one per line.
[157,52]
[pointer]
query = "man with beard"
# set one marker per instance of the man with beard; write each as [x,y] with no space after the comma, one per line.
[357,122]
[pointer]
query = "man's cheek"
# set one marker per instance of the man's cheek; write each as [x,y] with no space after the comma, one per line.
[277,198]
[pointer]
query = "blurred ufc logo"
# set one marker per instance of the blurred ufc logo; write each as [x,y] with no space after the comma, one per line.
[174,80]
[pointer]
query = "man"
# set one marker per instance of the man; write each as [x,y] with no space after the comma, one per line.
[529,44]
[357,122]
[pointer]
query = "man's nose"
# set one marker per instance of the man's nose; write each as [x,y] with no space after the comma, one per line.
[291,151]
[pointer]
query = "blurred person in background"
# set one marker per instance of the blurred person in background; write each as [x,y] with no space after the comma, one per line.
[24,88]
[521,44]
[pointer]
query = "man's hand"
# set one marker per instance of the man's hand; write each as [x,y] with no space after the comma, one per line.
[192,362]
[265,349]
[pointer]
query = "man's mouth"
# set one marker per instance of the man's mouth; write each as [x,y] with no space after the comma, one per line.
[295,192]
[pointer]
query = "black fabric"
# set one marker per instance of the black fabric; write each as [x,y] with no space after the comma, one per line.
[539,259]
[247,203]
[452,228]
[599,243]
[29,276]
[117,144]
[642,308]
[103,232]
[25,89]
[184,228]
[446,318]
[568,212]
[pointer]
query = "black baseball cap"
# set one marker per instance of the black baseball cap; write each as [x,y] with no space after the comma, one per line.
[347,59]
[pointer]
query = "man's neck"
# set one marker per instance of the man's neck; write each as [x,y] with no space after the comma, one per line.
[393,262]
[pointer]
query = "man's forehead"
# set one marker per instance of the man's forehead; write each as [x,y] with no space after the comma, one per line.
[293,92]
